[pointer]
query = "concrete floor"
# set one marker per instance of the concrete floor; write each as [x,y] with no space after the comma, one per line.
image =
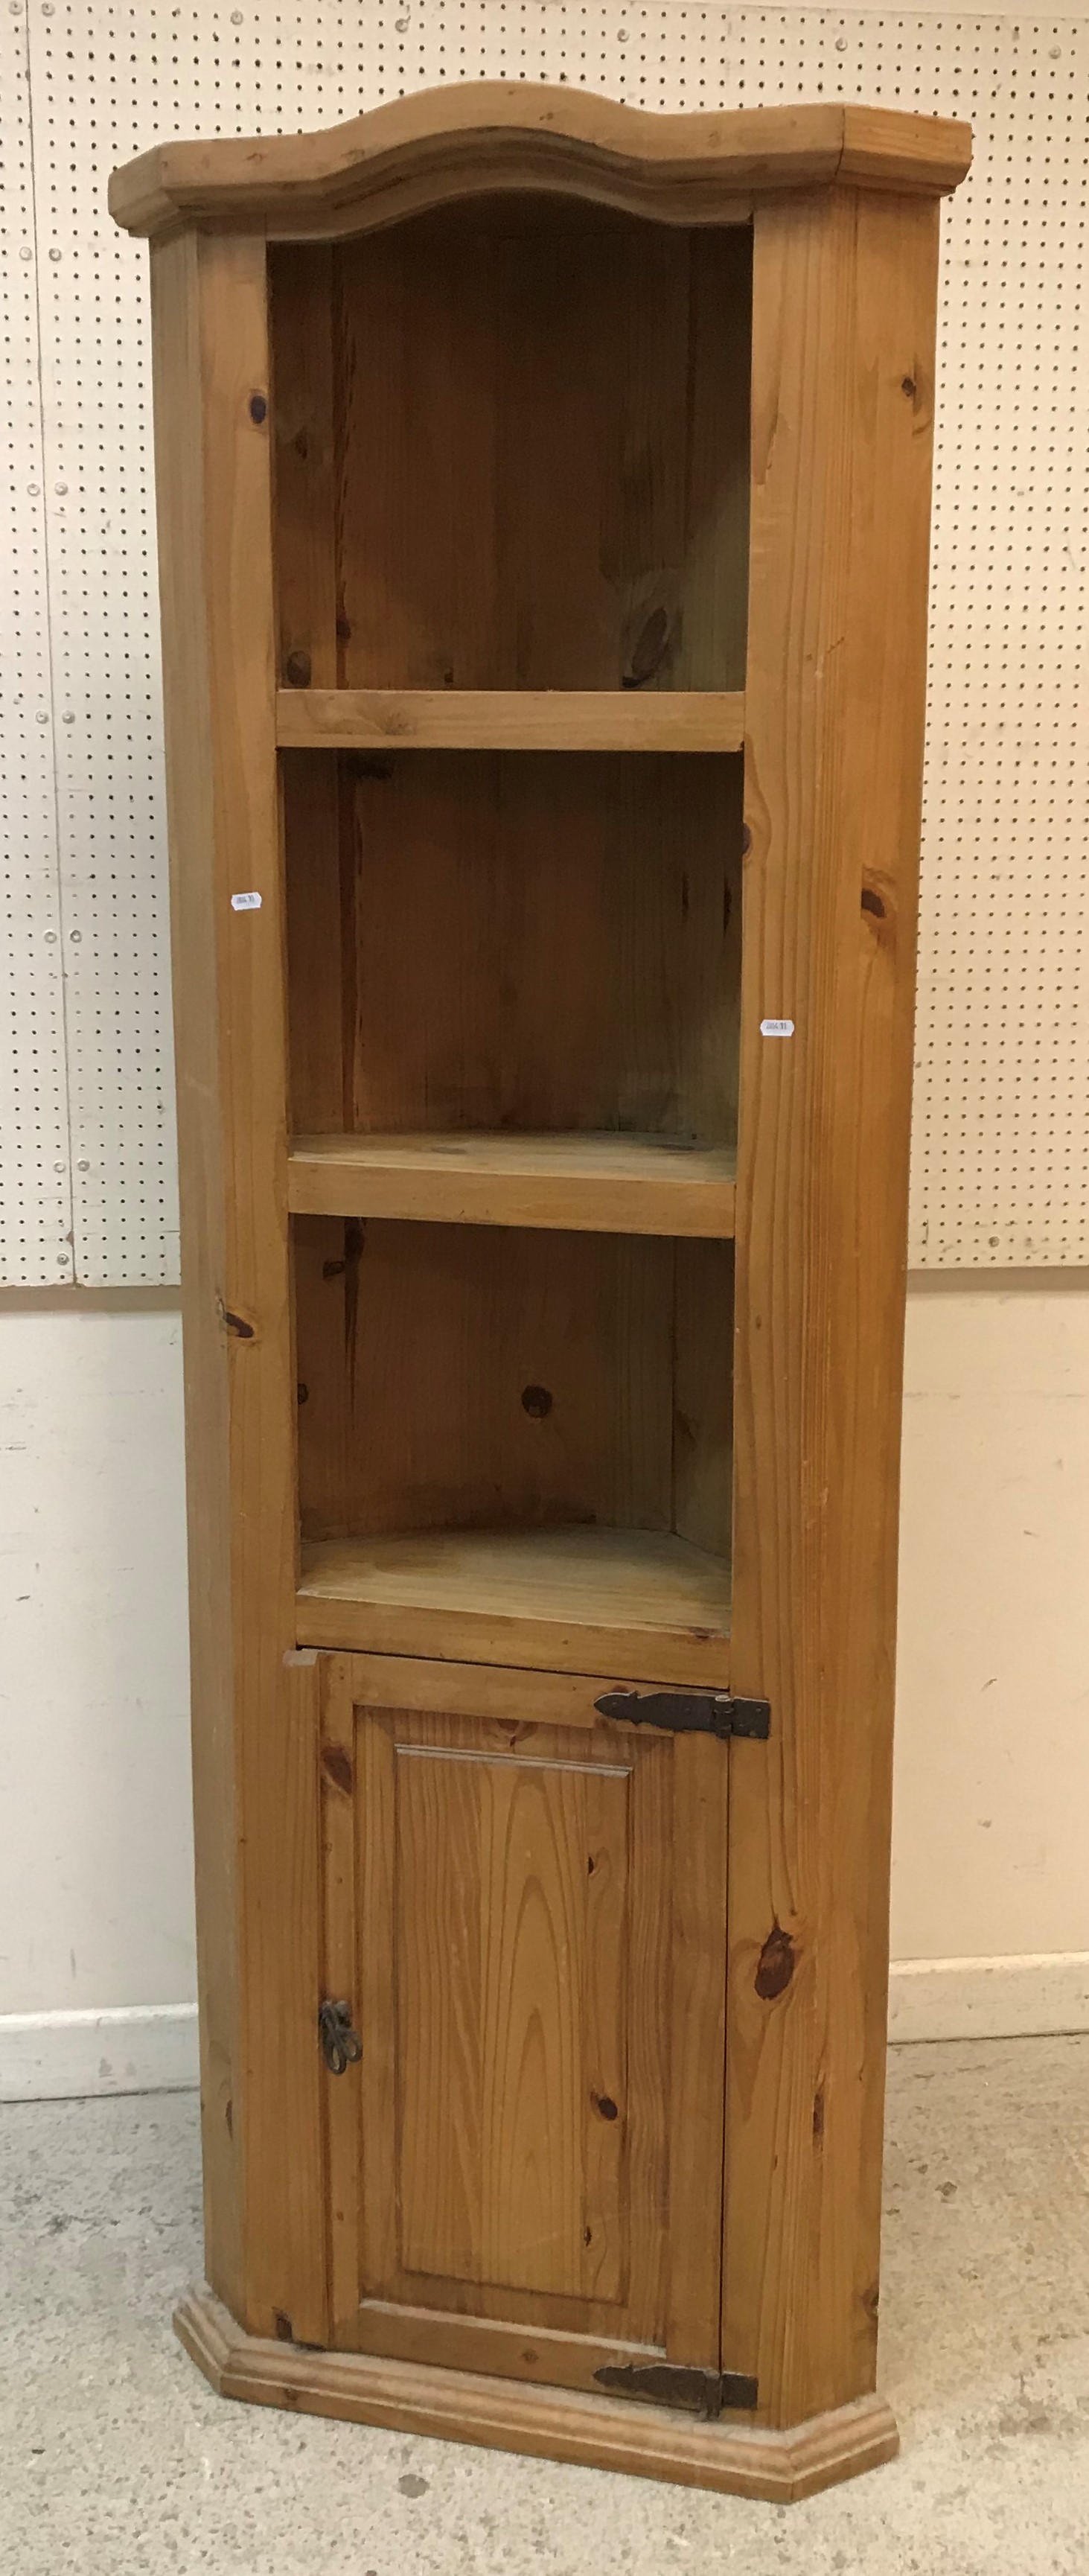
[116,2456]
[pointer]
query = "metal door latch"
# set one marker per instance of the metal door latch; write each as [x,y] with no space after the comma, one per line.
[341,2046]
[690,1712]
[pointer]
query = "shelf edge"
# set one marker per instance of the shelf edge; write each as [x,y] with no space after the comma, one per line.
[681,720]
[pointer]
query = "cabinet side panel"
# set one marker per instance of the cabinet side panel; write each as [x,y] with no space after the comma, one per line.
[256,1721]
[844,302]
[178,463]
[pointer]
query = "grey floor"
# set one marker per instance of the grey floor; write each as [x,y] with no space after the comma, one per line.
[114,2455]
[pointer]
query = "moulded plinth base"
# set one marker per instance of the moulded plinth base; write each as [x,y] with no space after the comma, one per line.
[550,2423]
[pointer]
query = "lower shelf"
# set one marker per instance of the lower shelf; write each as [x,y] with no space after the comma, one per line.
[640,1604]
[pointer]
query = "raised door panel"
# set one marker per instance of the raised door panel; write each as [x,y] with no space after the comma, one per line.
[529,1922]
[508,1989]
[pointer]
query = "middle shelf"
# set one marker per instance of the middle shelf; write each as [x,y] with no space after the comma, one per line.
[673,720]
[599,1184]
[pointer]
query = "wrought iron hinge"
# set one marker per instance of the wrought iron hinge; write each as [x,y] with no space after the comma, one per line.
[675,2383]
[341,2046]
[690,1712]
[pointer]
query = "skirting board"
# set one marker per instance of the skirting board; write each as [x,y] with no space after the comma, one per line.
[152,2048]
[1023,1997]
[144,2048]
[546,2423]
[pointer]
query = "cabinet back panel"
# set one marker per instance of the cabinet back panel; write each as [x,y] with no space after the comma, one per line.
[514,939]
[538,421]
[480,1377]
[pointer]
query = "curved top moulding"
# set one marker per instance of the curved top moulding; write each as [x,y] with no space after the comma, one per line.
[483,138]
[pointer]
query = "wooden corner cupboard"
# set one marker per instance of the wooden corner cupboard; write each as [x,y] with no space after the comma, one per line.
[543,512]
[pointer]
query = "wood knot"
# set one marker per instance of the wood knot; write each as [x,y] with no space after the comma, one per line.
[537,1402]
[648,651]
[258,409]
[872,902]
[297,670]
[775,1966]
[237,1325]
[336,1762]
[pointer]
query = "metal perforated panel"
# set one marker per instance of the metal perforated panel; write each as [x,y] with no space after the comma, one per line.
[35,1209]
[1002,1114]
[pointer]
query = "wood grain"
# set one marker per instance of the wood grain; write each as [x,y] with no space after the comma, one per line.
[697,2025]
[676,720]
[596,2432]
[592,1184]
[179,435]
[703,1387]
[510,1996]
[254,1720]
[480,138]
[302,332]
[844,302]
[302,288]
[638,1601]
[463,1376]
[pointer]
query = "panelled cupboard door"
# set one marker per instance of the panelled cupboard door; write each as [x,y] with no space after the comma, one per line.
[529,1923]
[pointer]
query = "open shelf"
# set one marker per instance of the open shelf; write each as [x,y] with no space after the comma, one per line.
[587,1184]
[512,454]
[531,943]
[511,499]
[515,1445]
[510,720]
[640,1604]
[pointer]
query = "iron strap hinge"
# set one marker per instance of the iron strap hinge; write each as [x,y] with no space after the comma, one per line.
[676,2383]
[690,1712]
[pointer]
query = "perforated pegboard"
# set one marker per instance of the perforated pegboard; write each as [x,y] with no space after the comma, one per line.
[1002,1099]
[35,1207]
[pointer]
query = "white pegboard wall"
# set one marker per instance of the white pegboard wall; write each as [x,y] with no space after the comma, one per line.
[1002,1098]
[35,1206]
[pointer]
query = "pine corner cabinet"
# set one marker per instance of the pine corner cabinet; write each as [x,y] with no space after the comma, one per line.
[543,495]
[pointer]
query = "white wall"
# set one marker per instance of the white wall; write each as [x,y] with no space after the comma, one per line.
[95,1845]
[990,1882]
[992,1747]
